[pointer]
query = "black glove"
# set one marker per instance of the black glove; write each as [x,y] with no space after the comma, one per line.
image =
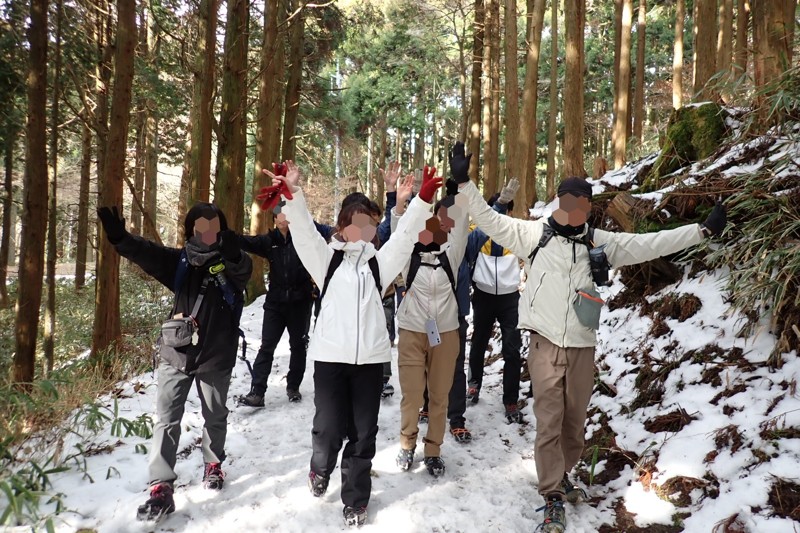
[716,221]
[451,187]
[459,163]
[113,223]
[229,245]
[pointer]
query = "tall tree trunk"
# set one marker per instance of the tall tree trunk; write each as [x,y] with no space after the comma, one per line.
[638,111]
[740,52]
[705,49]
[382,141]
[52,207]
[82,240]
[494,140]
[513,168]
[575,20]
[622,96]
[138,171]
[526,196]
[105,55]
[490,140]
[151,138]
[617,55]
[552,120]
[202,108]
[773,35]
[8,198]
[476,106]
[229,186]
[462,78]
[292,110]
[267,130]
[106,319]
[677,55]
[34,215]
[725,46]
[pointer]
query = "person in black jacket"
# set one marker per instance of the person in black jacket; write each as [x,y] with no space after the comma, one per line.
[287,306]
[208,276]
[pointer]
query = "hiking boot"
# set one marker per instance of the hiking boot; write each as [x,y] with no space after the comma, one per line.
[423,416]
[317,484]
[572,492]
[294,395]
[404,459]
[555,519]
[252,400]
[435,466]
[354,516]
[387,391]
[213,476]
[473,394]
[461,435]
[159,504]
[513,414]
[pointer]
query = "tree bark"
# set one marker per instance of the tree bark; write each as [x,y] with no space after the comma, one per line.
[151,138]
[740,52]
[575,17]
[513,166]
[725,46]
[293,88]
[474,140]
[229,186]
[106,321]
[138,171]
[202,107]
[8,198]
[705,31]
[82,240]
[105,55]
[527,196]
[622,96]
[34,215]
[617,55]
[638,108]
[52,207]
[677,55]
[382,147]
[552,121]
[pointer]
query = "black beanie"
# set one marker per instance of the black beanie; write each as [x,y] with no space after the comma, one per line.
[576,187]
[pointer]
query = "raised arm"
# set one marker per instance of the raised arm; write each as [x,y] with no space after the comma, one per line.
[394,254]
[256,244]
[632,248]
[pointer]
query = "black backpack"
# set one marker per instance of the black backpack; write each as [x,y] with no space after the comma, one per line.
[336,260]
[444,262]
[548,233]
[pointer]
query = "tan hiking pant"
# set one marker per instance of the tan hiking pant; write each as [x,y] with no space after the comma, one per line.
[562,386]
[419,364]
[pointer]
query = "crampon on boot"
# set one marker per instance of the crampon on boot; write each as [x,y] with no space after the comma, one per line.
[158,505]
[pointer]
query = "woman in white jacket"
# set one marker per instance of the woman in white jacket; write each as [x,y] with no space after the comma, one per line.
[350,342]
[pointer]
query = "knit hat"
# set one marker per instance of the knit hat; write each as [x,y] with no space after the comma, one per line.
[576,187]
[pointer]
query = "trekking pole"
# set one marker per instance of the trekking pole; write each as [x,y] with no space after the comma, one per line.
[244,353]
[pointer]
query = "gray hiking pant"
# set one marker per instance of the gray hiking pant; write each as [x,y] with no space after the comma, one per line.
[173,389]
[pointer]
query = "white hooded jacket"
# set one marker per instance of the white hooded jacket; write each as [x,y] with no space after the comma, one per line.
[351,327]
[562,267]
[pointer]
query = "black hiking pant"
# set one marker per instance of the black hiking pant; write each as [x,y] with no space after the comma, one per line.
[280,316]
[457,400]
[486,308]
[347,399]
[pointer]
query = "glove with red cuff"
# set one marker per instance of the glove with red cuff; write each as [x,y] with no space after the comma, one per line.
[430,183]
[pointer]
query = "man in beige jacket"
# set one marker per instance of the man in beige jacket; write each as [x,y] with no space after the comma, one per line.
[561,309]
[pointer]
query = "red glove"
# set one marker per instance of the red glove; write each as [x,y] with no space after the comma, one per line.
[279,169]
[430,183]
[270,196]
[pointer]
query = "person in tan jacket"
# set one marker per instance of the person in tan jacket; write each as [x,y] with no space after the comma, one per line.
[561,309]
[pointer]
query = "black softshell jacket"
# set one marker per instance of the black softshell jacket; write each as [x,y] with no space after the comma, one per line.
[219,327]
[288,279]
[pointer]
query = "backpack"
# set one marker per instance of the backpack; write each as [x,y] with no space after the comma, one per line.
[444,262]
[548,233]
[336,260]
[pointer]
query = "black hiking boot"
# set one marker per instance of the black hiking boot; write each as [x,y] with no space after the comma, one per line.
[435,466]
[513,414]
[404,459]
[555,518]
[572,492]
[354,516]
[461,435]
[294,395]
[213,476]
[473,394]
[388,390]
[158,505]
[317,484]
[252,400]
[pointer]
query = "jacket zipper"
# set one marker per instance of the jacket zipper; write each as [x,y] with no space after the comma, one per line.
[358,303]
[496,290]
[569,293]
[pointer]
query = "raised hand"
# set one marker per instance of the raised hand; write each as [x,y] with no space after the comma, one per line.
[430,183]
[391,175]
[229,245]
[509,191]
[113,223]
[404,192]
[717,219]
[459,163]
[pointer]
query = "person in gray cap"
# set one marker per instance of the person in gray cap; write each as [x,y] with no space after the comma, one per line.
[564,260]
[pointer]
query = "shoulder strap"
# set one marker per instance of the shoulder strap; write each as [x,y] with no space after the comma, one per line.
[588,238]
[376,273]
[199,301]
[547,234]
[448,269]
[336,260]
[416,262]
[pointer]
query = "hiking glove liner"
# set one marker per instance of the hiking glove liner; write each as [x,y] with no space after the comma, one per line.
[716,221]
[430,183]
[509,191]
[459,163]
[229,245]
[113,223]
